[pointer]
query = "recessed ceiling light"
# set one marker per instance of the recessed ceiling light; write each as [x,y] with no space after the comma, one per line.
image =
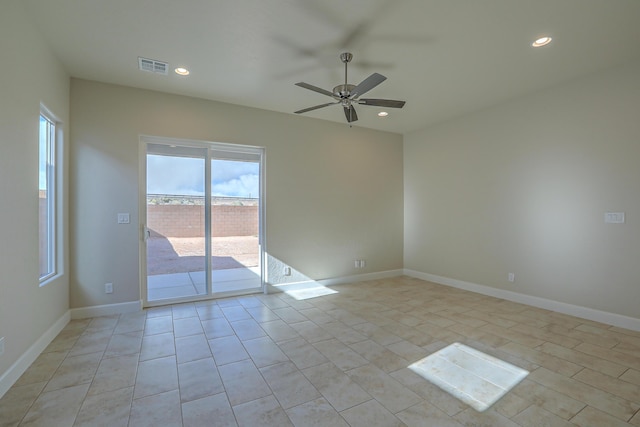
[542,41]
[182,71]
[383,114]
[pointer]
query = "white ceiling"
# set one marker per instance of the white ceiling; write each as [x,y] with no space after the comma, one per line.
[444,57]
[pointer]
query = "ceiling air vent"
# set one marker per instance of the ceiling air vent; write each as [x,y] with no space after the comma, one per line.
[153,66]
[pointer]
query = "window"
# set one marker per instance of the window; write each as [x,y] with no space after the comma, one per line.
[47,196]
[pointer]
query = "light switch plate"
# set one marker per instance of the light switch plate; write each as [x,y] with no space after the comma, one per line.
[123,218]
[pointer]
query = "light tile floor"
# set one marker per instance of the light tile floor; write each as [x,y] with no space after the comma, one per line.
[337,360]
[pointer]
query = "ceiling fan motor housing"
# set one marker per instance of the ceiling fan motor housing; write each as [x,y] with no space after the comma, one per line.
[343,91]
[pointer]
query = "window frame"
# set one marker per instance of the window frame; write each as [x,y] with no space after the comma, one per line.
[51,146]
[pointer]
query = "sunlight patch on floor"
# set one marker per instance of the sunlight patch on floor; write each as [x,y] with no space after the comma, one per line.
[318,291]
[475,378]
[305,290]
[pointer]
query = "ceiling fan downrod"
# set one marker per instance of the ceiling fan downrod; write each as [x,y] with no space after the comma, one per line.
[346,57]
[343,92]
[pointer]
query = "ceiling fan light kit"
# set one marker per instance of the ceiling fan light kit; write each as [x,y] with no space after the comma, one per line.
[347,94]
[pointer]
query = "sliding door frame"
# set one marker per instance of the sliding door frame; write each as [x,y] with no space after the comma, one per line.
[209,148]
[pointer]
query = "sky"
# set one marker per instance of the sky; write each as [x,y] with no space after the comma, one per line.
[185,176]
[43,154]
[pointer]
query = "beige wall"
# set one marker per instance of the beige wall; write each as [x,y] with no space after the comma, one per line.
[333,193]
[30,75]
[523,188]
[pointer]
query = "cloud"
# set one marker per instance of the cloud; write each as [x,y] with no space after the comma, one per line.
[234,178]
[175,175]
[185,176]
[243,186]
[226,170]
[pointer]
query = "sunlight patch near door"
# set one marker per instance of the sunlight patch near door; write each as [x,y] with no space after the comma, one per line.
[305,289]
[310,290]
[475,378]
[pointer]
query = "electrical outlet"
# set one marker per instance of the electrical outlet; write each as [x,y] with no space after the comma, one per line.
[1,345]
[287,271]
[108,288]
[363,263]
[511,277]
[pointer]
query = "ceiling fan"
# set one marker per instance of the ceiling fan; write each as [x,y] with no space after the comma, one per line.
[347,94]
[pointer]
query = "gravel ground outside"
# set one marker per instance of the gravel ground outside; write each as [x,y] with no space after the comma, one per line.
[166,255]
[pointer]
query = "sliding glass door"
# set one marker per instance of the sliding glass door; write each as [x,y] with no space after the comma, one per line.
[203,220]
[235,221]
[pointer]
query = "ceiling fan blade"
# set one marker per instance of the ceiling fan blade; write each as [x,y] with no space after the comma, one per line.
[350,113]
[314,88]
[382,103]
[367,84]
[304,110]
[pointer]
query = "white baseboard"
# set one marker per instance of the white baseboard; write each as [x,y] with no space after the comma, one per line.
[606,317]
[335,281]
[28,357]
[106,310]
[360,277]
